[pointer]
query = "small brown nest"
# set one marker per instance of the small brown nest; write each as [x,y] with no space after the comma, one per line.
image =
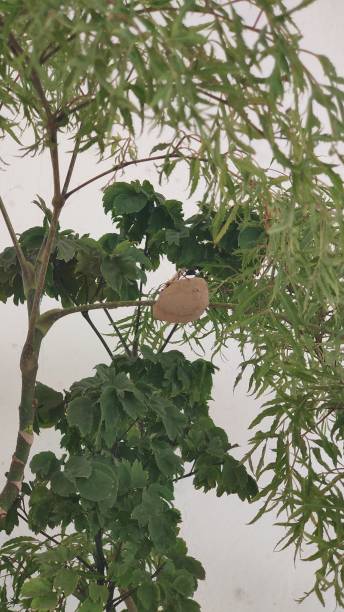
[182,300]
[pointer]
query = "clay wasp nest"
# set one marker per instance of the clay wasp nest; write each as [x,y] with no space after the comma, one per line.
[182,300]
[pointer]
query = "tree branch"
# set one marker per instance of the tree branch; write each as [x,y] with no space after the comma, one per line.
[99,555]
[48,53]
[97,332]
[125,595]
[41,274]
[48,318]
[55,541]
[130,163]
[165,343]
[19,252]
[71,165]
[227,103]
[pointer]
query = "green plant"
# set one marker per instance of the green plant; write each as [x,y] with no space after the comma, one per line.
[267,239]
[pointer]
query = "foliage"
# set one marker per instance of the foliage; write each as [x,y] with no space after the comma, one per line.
[268,237]
[129,432]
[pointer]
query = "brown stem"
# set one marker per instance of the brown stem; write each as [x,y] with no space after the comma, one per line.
[97,332]
[168,338]
[71,165]
[128,600]
[28,366]
[129,163]
[25,266]
[227,103]
[41,273]
[48,318]
[30,352]
[48,53]
[99,556]
[19,252]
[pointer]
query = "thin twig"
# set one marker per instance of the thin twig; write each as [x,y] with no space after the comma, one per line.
[97,332]
[99,556]
[174,328]
[18,249]
[55,541]
[192,473]
[71,165]
[130,163]
[258,18]
[118,332]
[46,54]
[227,103]
[130,592]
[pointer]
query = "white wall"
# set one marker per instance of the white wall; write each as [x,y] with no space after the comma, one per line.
[243,572]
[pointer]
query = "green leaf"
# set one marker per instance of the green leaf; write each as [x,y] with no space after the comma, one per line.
[36,587]
[118,270]
[98,593]
[66,580]
[191,606]
[194,567]
[132,404]
[138,475]
[44,464]
[174,422]
[32,238]
[50,406]
[46,602]
[102,484]
[61,485]
[78,467]
[250,237]
[123,199]
[167,461]
[162,531]
[90,606]
[184,584]
[80,414]
[66,248]
[111,413]
[148,595]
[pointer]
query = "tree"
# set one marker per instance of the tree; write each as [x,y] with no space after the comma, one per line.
[268,240]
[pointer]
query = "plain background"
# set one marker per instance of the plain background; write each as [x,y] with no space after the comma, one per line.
[243,571]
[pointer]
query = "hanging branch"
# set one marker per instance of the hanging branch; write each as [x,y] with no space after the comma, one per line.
[118,332]
[18,249]
[97,332]
[71,165]
[168,338]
